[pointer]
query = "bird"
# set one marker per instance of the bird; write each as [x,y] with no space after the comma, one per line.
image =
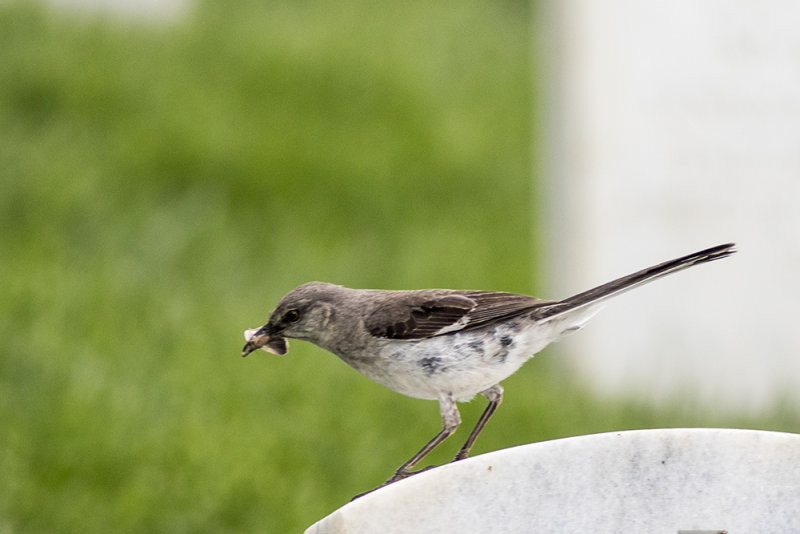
[446,345]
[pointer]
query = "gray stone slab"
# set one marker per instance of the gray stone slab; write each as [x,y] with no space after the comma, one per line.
[654,481]
[672,126]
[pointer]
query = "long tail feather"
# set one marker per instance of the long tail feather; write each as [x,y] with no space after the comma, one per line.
[620,285]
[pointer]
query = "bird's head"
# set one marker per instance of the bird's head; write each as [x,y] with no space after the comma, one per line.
[304,313]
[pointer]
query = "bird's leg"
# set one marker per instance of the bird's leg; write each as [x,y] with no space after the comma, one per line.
[450,421]
[495,396]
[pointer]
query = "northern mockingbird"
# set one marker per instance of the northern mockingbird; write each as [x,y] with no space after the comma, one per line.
[440,344]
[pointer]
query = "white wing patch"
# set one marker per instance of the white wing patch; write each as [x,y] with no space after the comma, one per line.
[458,325]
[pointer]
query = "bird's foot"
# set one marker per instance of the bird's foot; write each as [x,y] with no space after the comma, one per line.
[462,454]
[399,475]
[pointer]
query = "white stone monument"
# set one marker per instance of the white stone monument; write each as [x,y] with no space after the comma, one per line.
[673,126]
[153,9]
[661,481]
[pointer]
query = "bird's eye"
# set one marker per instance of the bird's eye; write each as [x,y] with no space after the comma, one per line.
[291,316]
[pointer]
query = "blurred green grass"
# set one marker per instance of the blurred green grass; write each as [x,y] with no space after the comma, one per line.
[165,183]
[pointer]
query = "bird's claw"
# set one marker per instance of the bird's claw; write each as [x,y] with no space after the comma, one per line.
[400,475]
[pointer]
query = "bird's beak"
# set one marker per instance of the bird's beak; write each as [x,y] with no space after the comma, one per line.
[265,339]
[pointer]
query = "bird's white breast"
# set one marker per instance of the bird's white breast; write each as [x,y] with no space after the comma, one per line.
[462,363]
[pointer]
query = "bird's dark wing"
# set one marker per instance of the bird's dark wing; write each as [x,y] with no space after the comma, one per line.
[433,312]
[428,313]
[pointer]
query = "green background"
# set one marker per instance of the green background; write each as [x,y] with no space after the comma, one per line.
[164,183]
